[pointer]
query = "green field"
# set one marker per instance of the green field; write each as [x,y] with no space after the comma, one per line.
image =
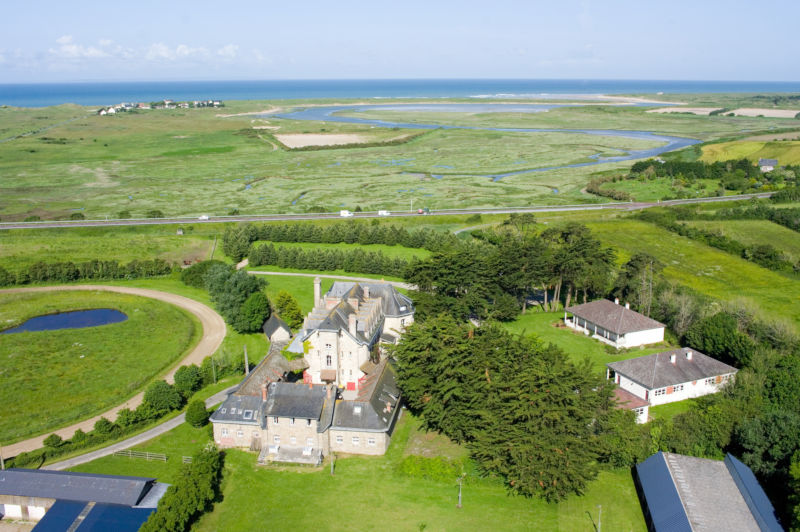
[661,188]
[22,247]
[754,233]
[254,495]
[57,377]
[787,152]
[705,269]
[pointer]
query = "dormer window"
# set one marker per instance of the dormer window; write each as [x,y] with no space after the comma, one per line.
[357,410]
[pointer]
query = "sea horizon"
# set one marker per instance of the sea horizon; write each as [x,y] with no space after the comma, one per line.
[94,93]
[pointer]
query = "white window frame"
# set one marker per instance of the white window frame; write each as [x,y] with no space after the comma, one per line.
[356,441]
[339,438]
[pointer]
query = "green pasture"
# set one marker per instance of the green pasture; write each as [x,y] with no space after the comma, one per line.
[786,152]
[550,328]
[705,269]
[395,502]
[754,233]
[58,377]
[22,247]
[660,188]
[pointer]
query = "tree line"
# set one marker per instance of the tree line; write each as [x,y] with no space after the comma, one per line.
[64,272]
[496,276]
[237,240]
[351,260]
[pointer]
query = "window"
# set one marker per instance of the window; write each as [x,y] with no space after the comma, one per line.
[293,440]
[224,432]
[309,442]
[222,410]
[371,442]
[248,414]
[291,422]
[275,419]
[339,438]
[328,360]
[677,388]
[328,346]
[308,422]
[356,441]
[256,434]
[661,391]
[709,382]
[276,439]
[239,433]
[351,372]
[402,322]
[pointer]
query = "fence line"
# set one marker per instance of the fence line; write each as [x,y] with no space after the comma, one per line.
[140,454]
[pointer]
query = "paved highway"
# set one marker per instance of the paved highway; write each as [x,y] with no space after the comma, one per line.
[399,214]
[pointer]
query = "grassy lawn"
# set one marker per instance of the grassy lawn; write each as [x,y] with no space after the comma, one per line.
[787,152]
[755,232]
[670,410]
[705,269]
[576,345]
[389,251]
[65,375]
[254,495]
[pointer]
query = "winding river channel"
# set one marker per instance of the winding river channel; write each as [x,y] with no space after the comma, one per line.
[334,113]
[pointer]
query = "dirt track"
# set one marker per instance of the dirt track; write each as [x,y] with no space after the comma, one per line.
[214,331]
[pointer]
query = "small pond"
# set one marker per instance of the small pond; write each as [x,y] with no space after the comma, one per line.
[76,319]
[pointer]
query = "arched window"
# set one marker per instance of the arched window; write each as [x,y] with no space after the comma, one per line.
[328,360]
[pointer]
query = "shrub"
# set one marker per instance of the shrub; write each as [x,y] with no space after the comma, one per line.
[77,216]
[196,413]
[155,213]
[253,314]
[162,397]
[289,309]
[103,426]
[54,440]
[188,380]
[195,275]
[79,438]
[124,214]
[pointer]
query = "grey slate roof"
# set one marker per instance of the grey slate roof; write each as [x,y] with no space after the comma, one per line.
[271,369]
[66,485]
[394,303]
[656,371]
[273,324]
[296,400]
[613,317]
[768,162]
[698,492]
[241,409]
[376,405]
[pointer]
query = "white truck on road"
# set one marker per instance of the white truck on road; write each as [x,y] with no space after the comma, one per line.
[345,214]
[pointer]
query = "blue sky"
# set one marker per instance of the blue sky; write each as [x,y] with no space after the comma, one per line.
[42,41]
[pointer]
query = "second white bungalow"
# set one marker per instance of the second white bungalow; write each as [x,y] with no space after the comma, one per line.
[670,376]
[614,324]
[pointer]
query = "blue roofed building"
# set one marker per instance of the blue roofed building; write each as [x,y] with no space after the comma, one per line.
[687,494]
[78,502]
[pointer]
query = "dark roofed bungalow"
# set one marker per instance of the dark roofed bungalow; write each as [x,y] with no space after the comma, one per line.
[670,376]
[614,324]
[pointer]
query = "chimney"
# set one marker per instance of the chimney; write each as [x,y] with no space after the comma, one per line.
[366,292]
[351,324]
[264,391]
[627,305]
[672,358]
[616,301]
[317,291]
[688,355]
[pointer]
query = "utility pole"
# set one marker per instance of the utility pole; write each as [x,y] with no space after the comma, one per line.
[412,204]
[333,457]
[2,462]
[214,369]
[246,363]
[460,479]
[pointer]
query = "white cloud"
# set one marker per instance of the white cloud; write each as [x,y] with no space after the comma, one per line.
[105,42]
[229,51]
[67,49]
[160,52]
[64,39]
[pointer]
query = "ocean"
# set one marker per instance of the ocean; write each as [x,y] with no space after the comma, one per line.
[46,94]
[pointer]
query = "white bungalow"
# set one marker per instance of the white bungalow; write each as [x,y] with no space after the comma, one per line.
[614,324]
[670,376]
[767,165]
[627,401]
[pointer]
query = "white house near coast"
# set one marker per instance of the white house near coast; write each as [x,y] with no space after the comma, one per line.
[614,324]
[670,376]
